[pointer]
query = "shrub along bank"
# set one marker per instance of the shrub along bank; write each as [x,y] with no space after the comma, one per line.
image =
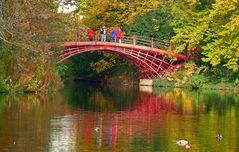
[194,77]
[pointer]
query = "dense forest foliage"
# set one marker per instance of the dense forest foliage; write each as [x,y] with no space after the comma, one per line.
[211,25]
[207,30]
[30,32]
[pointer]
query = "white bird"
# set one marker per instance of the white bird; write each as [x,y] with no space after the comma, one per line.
[219,137]
[182,142]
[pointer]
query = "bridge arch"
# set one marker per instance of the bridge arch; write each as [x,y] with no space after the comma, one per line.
[151,62]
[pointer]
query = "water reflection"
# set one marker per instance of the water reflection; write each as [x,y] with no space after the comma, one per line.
[95,97]
[62,137]
[24,122]
[96,118]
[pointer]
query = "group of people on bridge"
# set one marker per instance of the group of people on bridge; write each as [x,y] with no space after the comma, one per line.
[115,35]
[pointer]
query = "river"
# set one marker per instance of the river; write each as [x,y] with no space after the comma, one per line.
[95,118]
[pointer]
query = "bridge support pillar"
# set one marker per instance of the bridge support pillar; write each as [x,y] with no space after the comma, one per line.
[146,82]
[146,85]
[148,89]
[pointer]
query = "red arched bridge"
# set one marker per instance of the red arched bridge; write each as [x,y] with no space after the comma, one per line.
[150,56]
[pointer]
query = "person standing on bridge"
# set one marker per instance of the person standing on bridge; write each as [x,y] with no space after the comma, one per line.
[103,32]
[91,34]
[113,36]
[119,35]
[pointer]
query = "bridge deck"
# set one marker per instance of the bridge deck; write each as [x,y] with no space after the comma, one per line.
[122,45]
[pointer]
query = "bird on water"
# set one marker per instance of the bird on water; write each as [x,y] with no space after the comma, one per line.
[184,143]
[219,137]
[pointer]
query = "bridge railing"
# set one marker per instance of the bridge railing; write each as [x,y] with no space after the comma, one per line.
[141,41]
[145,41]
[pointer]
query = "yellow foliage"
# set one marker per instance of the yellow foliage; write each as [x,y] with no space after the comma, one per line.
[115,14]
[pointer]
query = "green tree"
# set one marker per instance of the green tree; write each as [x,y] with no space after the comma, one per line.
[152,24]
[209,25]
[222,36]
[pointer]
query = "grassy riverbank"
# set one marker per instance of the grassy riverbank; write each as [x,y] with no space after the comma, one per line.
[194,76]
[199,82]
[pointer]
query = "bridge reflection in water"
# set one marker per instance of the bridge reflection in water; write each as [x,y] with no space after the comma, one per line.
[118,119]
[105,128]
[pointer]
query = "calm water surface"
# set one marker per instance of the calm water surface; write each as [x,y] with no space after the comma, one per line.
[91,118]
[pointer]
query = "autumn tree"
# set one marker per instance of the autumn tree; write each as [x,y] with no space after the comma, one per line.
[113,13]
[28,30]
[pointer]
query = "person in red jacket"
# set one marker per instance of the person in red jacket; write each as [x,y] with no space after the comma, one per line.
[90,34]
[118,35]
